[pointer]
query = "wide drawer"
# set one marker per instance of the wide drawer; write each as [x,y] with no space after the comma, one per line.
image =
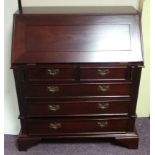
[99,89]
[50,74]
[76,126]
[87,74]
[77,108]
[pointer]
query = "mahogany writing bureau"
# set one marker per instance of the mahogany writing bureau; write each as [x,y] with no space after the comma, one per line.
[77,75]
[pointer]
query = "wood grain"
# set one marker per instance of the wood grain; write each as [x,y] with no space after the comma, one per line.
[76,38]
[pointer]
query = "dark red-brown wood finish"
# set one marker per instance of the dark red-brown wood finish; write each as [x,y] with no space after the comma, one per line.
[69,82]
[51,38]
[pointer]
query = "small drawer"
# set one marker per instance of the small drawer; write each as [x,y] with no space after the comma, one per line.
[66,90]
[72,126]
[50,74]
[78,108]
[87,74]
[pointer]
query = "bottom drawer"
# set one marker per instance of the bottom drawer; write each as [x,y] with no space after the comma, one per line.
[78,126]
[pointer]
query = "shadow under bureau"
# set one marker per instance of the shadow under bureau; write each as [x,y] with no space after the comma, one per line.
[77,76]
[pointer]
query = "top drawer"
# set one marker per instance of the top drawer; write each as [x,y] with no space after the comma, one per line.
[77,72]
[50,74]
[102,73]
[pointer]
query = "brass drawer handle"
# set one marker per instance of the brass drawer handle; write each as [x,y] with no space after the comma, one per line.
[102,124]
[53,71]
[103,106]
[103,71]
[53,107]
[55,126]
[103,88]
[53,89]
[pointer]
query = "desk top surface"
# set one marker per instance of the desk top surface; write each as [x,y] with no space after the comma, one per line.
[80,38]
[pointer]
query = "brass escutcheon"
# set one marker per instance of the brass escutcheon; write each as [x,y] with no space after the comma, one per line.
[103,88]
[54,107]
[103,71]
[53,89]
[55,126]
[53,71]
[102,124]
[103,105]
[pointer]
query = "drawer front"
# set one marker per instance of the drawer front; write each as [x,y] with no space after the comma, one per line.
[49,74]
[104,74]
[71,126]
[78,108]
[77,90]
